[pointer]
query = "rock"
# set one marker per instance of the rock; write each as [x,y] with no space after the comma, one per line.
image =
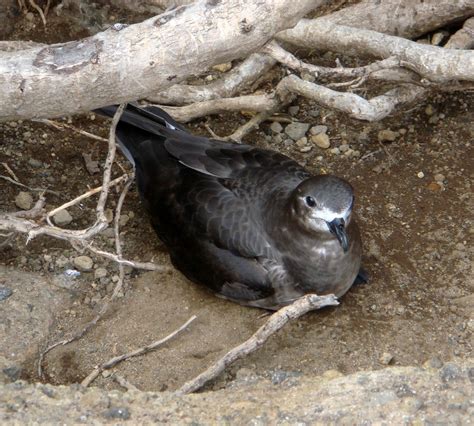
[62,218]
[92,166]
[276,127]
[420,175]
[386,358]
[434,186]
[302,142]
[35,163]
[24,200]
[296,130]
[344,147]
[123,219]
[305,148]
[117,413]
[293,110]
[223,67]
[5,293]
[308,77]
[335,151]
[26,318]
[321,140]
[316,130]
[438,37]
[439,177]
[387,135]
[100,273]
[429,110]
[83,263]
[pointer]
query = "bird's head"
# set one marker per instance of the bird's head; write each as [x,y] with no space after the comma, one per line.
[323,204]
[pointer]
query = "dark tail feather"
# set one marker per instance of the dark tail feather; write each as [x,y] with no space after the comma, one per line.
[136,124]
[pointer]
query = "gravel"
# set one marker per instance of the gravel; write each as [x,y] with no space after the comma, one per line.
[321,140]
[5,293]
[387,135]
[276,127]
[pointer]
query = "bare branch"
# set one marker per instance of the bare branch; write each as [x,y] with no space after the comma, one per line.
[307,303]
[137,352]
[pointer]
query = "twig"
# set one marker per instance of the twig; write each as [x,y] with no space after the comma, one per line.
[61,126]
[82,197]
[122,381]
[274,323]
[8,179]
[39,10]
[10,172]
[137,352]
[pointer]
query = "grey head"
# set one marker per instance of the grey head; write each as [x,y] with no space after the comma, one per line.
[323,205]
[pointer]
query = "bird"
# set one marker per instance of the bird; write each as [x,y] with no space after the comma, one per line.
[250,224]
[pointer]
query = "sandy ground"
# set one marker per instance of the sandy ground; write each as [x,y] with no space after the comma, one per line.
[417,232]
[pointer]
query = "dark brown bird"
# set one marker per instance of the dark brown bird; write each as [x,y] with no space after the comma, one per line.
[251,224]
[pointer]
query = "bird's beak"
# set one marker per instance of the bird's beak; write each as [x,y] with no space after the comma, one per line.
[337,228]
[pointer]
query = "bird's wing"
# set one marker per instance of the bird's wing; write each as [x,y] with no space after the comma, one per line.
[228,220]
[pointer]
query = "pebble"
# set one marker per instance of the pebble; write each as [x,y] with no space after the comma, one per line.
[223,67]
[429,110]
[35,163]
[316,130]
[109,215]
[335,151]
[121,413]
[344,147]
[386,358]
[296,130]
[437,38]
[24,200]
[83,263]
[439,177]
[123,219]
[308,77]
[276,127]
[321,140]
[5,293]
[421,175]
[434,186]
[293,110]
[387,135]
[302,142]
[62,218]
[100,273]
[305,148]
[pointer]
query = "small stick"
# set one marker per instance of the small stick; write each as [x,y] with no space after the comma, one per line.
[39,10]
[61,126]
[10,172]
[122,381]
[274,323]
[82,197]
[8,179]
[137,352]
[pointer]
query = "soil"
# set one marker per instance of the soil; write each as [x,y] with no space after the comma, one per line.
[417,232]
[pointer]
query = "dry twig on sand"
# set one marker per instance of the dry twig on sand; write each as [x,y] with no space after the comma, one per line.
[298,308]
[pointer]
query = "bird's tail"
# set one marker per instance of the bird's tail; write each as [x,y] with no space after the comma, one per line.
[136,124]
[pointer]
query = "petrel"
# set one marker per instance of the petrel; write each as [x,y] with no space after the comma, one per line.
[251,224]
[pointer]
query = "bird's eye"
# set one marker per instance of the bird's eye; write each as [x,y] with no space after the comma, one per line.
[310,201]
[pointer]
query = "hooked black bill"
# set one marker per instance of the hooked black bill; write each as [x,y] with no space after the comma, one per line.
[337,227]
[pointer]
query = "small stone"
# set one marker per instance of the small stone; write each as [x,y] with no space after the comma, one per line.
[296,130]
[344,147]
[30,16]
[276,127]
[293,110]
[35,163]
[100,273]
[349,152]
[450,372]
[5,293]
[335,151]
[420,175]
[223,67]
[387,135]
[356,153]
[402,131]
[332,374]
[434,362]
[83,263]
[305,149]
[308,77]
[321,140]
[24,200]
[123,219]
[109,215]
[62,218]
[316,130]
[429,110]
[13,372]
[121,413]
[433,119]
[433,186]
[302,142]
[386,358]
[439,177]
[439,37]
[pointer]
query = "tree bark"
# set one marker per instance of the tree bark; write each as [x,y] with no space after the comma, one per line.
[126,63]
